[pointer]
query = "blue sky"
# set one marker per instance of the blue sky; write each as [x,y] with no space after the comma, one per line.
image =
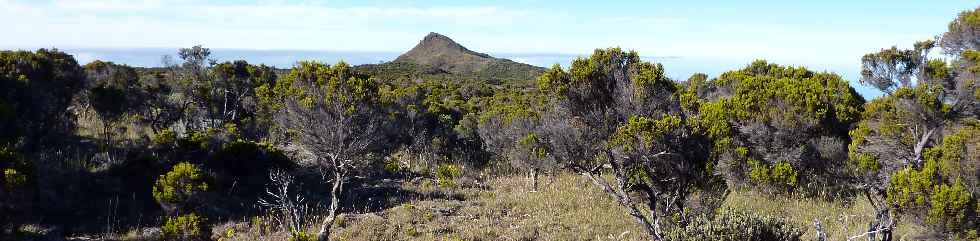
[824,35]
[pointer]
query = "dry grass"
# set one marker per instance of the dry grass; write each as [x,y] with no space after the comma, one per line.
[840,220]
[127,130]
[565,208]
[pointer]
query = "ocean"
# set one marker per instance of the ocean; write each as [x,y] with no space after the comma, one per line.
[677,67]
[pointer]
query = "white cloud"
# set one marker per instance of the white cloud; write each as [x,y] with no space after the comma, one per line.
[267,24]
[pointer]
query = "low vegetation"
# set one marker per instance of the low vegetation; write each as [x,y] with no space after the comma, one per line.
[447,143]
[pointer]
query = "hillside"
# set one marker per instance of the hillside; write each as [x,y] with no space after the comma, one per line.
[438,56]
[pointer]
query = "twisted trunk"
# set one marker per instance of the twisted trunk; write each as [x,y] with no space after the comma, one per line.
[338,182]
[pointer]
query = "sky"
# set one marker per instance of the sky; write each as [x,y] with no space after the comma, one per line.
[827,35]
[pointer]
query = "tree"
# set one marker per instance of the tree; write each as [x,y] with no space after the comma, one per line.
[198,85]
[615,110]
[112,93]
[783,126]
[36,89]
[236,83]
[334,114]
[510,127]
[898,147]
[963,33]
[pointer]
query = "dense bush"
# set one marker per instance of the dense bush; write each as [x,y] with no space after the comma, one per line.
[778,127]
[938,193]
[781,175]
[180,189]
[736,226]
[36,88]
[187,227]
[165,138]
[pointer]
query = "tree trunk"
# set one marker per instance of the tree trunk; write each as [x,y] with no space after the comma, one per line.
[324,233]
[921,145]
[624,200]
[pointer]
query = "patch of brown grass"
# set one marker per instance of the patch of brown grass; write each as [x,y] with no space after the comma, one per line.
[840,220]
[566,207]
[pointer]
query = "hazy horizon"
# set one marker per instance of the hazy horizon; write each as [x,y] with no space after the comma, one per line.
[677,67]
[709,37]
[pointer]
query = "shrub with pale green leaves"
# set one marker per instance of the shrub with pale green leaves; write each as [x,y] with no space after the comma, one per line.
[302,236]
[180,188]
[730,225]
[781,175]
[188,227]
[447,175]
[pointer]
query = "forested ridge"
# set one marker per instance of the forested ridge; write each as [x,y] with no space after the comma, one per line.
[450,144]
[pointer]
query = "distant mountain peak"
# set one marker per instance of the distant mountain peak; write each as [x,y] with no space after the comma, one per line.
[435,48]
[437,53]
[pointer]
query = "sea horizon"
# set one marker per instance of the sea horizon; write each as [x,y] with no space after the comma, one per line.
[678,68]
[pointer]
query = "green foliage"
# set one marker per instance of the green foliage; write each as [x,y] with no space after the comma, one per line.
[951,209]
[731,226]
[642,130]
[959,155]
[781,174]
[187,227]
[961,34]
[337,83]
[36,88]
[534,146]
[779,111]
[165,138]
[820,97]
[446,174]
[183,184]
[947,207]
[554,80]
[302,236]
[910,188]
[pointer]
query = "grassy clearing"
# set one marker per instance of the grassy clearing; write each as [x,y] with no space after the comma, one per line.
[565,208]
[840,220]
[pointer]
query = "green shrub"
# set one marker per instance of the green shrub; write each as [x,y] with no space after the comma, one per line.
[194,140]
[185,228]
[181,187]
[910,188]
[923,193]
[950,208]
[447,175]
[781,175]
[302,236]
[732,225]
[165,138]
